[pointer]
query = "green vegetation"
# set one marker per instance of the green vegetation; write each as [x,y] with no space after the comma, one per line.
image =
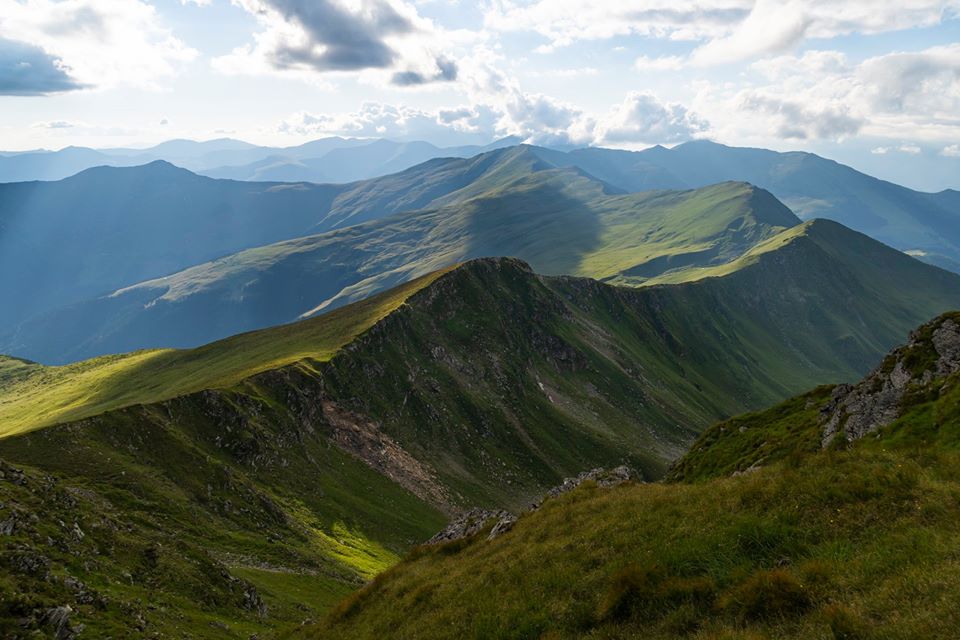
[561,221]
[328,448]
[856,541]
[33,396]
[812,186]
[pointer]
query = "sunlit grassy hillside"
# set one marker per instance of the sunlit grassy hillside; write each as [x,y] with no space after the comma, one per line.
[33,395]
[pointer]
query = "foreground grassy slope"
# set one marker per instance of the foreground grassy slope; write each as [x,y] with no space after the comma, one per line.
[33,395]
[854,541]
[183,518]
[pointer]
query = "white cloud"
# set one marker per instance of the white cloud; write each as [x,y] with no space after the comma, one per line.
[729,30]
[102,43]
[951,151]
[665,63]
[907,147]
[385,39]
[796,120]
[823,95]
[54,124]
[563,22]
[641,119]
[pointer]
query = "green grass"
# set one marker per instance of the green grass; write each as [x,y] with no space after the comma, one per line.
[858,542]
[495,382]
[852,541]
[558,220]
[34,396]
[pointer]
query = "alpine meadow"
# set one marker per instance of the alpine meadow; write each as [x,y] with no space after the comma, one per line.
[508,320]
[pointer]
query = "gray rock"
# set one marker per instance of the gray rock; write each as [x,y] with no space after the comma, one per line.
[503,525]
[58,621]
[469,523]
[856,411]
[605,478]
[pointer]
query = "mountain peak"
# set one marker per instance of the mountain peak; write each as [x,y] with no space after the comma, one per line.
[153,169]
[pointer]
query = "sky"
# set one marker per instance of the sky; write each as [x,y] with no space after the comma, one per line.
[874,83]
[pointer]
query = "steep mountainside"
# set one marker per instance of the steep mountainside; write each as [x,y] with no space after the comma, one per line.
[257,503]
[776,530]
[106,228]
[246,485]
[813,187]
[561,221]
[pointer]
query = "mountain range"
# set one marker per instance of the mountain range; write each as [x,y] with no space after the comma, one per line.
[228,263]
[316,453]
[331,159]
[234,408]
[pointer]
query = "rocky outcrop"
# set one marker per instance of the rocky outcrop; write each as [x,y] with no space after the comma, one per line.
[605,479]
[855,411]
[470,523]
[475,521]
[361,437]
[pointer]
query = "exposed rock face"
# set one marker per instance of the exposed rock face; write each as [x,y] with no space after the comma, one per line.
[855,411]
[472,522]
[58,622]
[361,437]
[605,478]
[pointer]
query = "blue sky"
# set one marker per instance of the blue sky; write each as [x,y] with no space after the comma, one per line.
[869,82]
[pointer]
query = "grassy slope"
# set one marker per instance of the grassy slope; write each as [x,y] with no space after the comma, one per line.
[559,221]
[497,381]
[812,186]
[182,516]
[33,396]
[852,543]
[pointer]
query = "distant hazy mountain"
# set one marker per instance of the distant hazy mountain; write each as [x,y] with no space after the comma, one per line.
[927,224]
[345,163]
[105,228]
[323,160]
[56,165]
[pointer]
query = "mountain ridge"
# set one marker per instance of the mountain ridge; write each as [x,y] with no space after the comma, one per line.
[561,222]
[763,530]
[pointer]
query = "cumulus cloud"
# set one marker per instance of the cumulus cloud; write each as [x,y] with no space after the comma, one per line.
[908,148]
[27,70]
[908,81]
[728,30]
[664,63]
[640,119]
[377,120]
[97,43]
[563,22]
[446,72]
[951,151]
[304,37]
[823,95]
[54,124]
[800,121]
[643,119]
